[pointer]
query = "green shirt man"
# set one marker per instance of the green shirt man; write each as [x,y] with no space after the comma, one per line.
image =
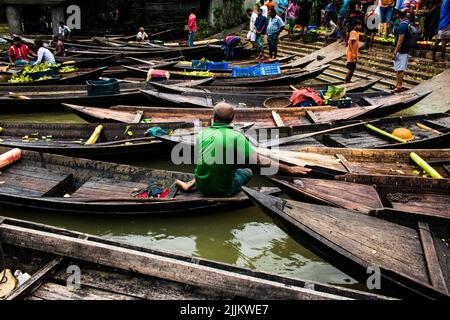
[223,153]
[220,152]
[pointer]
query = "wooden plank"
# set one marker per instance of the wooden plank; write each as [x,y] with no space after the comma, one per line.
[138,116]
[344,162]
[36,280]
[276,117]
[53,291]
[216,280]
[312,116]
[431,258]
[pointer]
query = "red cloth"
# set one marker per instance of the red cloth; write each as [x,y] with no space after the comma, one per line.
[303,94]
[19,53]
[192,23]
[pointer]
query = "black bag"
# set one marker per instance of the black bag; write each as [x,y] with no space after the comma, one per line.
[412,38]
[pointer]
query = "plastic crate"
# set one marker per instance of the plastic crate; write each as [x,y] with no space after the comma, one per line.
[345,102]
[267,69]
[197,64]
[237,72]
[102,87]
[217,65]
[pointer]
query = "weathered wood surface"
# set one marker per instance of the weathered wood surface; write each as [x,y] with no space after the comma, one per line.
[218,281]
[359,240]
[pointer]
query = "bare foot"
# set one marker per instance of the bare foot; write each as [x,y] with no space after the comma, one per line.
[185,186]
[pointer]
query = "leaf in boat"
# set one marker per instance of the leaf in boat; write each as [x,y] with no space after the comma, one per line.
[25,137]
[67,195]
[146,120]
[128,143]
[1,140]
[2,182]
[130,133]
[127,128]
[416,172]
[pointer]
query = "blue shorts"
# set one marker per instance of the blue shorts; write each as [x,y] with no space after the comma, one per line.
[401,62]
[241,178]
[386,14]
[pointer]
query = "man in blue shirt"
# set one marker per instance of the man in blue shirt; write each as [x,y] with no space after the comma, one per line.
[274,27]
[401,52]
[260,27]
[444,30]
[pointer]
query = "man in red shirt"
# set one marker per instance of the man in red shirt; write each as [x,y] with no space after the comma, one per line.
[192,27]
[18,53]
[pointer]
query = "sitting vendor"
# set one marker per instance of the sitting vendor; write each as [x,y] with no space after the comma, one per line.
[19,53]
[43,54]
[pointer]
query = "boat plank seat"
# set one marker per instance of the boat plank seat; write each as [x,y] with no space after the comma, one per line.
[33,181]
[107,188]
[427,204]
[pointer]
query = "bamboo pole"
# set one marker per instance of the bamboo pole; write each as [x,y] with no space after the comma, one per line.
[384,133]
[95,135]
[425,166]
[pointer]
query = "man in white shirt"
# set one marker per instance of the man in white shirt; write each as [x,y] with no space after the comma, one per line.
[142,36]
[64,31]
[43,54]
[252,33]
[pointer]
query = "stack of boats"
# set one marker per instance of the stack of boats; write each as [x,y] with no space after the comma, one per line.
[366,205]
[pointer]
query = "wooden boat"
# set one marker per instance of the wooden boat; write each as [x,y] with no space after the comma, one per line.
[113,270]
[429,131]
[385,102]
[411,260]
[359,86]
[43,181]
[373,163]
[91,62]
[384,196]
[69,139]
[292,77]
[77,77]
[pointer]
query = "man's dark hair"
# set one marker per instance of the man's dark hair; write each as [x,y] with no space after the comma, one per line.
[193,10]
[62,23]
[38,43]
[17,39]
[220,116]
[357,22]
[402,14]
[249,10]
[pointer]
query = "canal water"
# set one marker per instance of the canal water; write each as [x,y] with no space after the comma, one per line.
[245,237]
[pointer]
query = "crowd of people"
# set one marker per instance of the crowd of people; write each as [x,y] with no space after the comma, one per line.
[345,19]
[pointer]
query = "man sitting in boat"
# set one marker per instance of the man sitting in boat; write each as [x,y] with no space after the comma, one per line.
[141,36]
[19,53]
[230,45]
[43,54]
[223,157]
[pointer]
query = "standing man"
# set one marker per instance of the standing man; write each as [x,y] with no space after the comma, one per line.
[217,174]
[251,36]
[60,51]
[386,13]
[282,6]
[260,26]
[192,27]
[353,50]
[330,18]
[274,27]
[43,54]
[444,30]
[401,52]
[19,52]
[64,31]
[304,14]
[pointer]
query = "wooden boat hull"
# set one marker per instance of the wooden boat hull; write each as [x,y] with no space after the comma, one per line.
[69,139]
[75,78]
[99,188]
[107,267]
[91,62]
[355,242]
[390,197]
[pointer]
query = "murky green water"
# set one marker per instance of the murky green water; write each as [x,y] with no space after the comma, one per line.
[246,237]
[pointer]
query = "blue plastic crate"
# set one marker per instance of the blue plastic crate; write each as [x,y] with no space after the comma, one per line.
[197,64]
[345,102]
[217,66]
[242,72]
[267,69]
[102,87]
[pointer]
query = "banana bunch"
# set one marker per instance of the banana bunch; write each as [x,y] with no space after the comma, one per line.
[44,78]
[20,78]
[67,69]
